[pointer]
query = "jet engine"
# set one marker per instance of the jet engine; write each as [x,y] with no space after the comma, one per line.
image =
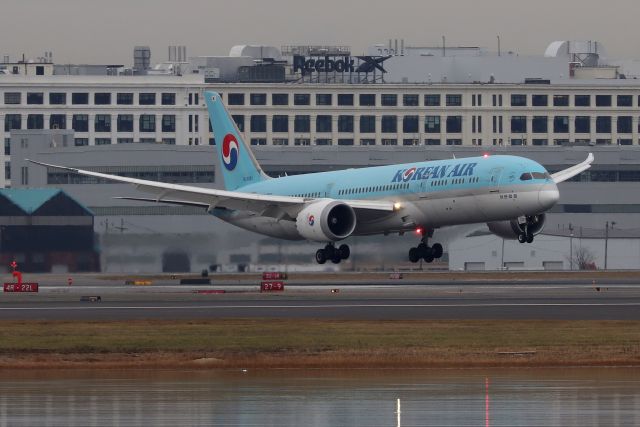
[514,228]
[326,221]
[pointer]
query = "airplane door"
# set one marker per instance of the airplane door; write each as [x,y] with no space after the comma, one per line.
[494,177]
[486,202]
[329,189]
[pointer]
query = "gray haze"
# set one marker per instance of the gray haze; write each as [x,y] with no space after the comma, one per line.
[105,31]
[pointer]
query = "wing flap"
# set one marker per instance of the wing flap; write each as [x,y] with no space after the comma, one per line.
[166,201]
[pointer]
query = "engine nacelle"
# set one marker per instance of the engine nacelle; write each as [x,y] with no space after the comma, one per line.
[326,221]
[511,229]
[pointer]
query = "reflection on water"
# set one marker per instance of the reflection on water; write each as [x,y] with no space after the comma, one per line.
[319,398]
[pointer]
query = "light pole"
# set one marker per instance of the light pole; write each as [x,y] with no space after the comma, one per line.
[570,246]
[606,241]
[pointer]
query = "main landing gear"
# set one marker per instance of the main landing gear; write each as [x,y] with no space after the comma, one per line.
[330,252]
[424,251]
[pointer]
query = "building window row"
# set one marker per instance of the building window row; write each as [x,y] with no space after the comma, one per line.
[579,100]
[432,124]
[321,99]
[83,98]
[361,141]
[582,124]
[344,99]
[431,100]
[102,122]
[347,123]
[177,174]
[328,123]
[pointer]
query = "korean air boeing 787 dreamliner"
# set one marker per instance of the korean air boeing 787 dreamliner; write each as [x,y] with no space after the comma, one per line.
[509,193]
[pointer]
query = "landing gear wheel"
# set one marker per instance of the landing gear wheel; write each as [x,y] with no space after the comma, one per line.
[321,256]
[437,250]
[427,254]
[414,255]
[344,251]
[530,238]
[423,250]
[336,258]
[330,251]
[522,238]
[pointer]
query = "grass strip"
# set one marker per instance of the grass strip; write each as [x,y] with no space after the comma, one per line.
[298,343]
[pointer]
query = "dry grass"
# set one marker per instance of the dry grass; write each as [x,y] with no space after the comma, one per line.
[300,343]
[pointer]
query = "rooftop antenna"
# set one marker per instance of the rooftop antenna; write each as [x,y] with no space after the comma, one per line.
[444,49]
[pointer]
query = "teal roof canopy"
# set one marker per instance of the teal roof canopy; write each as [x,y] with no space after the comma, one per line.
[31,199]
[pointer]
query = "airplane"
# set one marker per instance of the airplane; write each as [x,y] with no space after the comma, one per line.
[509,193]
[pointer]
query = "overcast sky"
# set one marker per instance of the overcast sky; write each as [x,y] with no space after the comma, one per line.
[105,31]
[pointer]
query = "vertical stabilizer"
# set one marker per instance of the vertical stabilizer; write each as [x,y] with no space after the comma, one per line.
[237,163]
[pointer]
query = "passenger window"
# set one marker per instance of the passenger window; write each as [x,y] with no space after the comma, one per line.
[525,176]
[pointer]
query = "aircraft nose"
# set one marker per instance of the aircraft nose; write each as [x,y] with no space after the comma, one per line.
[548,195]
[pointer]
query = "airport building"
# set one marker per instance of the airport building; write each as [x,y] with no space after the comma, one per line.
[314,108]
[45,230]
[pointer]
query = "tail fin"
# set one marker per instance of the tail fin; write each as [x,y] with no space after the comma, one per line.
[239,166]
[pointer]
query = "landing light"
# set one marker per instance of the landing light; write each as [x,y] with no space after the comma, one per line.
[397,206]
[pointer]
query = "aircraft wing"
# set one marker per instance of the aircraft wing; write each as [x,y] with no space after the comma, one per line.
[568,173]
[186,195]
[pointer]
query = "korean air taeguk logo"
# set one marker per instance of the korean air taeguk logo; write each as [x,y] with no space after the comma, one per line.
[312,220]
[230,152]
[406,176]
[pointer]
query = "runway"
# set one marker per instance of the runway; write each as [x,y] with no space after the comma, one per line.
[399,302]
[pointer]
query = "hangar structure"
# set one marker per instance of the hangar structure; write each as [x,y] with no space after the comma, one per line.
[46,230]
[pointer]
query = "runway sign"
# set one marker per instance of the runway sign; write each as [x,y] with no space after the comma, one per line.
[274,275]
[138,282]
[21,287]
[271,286]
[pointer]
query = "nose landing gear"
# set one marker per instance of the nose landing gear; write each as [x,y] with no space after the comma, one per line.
[424,251]
[527,235]
[330,252]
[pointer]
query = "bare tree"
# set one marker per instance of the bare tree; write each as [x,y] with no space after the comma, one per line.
[583,259]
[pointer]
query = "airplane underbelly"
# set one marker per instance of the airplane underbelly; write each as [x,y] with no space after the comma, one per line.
[451,210]
[261,224]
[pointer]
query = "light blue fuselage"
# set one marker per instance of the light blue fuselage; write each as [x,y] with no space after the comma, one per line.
[432,194]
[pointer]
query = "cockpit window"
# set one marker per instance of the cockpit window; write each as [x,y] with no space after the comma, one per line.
[525,176]
[539,175]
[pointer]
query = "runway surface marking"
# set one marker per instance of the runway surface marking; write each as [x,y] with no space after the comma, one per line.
[329,306]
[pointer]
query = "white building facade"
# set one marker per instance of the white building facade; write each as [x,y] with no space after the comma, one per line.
[106,110]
